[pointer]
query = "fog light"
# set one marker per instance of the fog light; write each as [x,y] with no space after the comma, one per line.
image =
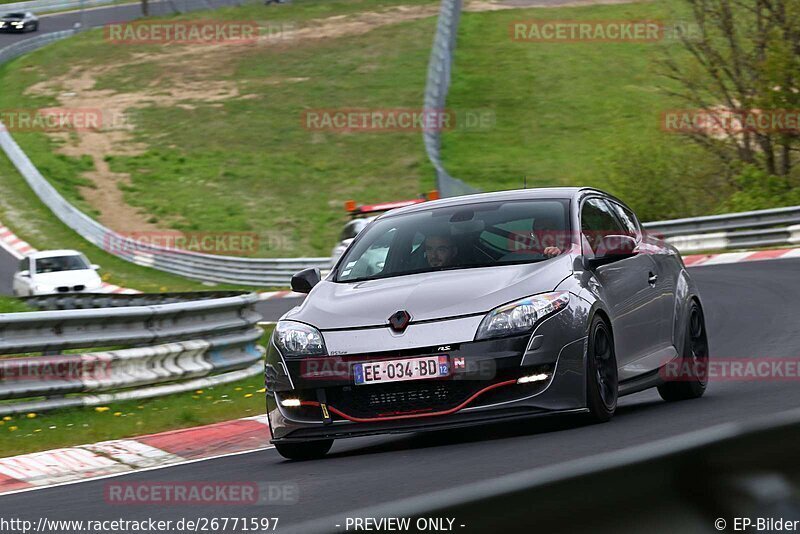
[533,378]
[290,403]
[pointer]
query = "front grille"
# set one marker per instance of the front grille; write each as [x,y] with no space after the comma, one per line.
[79,288]
[377,400]
[63,289]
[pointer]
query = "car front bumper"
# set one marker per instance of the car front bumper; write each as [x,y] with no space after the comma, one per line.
[482,387]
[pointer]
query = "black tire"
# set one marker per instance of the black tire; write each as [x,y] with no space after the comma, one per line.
[601,372]
[308,450]
[693,364]
[35,27]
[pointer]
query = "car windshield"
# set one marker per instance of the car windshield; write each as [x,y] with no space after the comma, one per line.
[457,237]
[15,16]
[60,263]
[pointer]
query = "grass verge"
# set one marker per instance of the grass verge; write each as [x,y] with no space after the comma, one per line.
[10,305]
[577,113]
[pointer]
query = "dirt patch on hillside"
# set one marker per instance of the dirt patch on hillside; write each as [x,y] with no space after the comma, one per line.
[206,64]
[189,76]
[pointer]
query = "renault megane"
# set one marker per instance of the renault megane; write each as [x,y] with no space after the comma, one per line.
[481,308]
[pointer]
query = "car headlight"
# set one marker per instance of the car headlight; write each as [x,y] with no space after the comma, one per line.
[298,339]
[521,316]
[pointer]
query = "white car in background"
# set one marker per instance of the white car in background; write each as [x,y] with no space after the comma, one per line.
[21,22]
[56,271]
[350,231]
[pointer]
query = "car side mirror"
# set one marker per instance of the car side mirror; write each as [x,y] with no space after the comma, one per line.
[95,267]
[613,248]
[305,280]
[25,274]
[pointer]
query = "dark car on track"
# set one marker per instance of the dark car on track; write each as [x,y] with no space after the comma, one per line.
[19,22]
[482,308]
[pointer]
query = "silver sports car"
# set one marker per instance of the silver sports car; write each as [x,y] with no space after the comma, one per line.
[483,308]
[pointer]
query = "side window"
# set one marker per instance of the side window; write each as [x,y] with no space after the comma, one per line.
[627,219]
[24,264]
[597,221]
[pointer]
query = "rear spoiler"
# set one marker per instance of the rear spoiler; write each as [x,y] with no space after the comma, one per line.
[354,209]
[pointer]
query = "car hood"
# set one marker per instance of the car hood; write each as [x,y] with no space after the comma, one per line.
[86,277]
[10,19]
[427,296]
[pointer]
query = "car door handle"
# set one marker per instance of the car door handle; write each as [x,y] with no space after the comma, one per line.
[653,279]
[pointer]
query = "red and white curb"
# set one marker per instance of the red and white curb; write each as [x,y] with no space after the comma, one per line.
[19,249]
[699,260]
[14,245]
[109,458]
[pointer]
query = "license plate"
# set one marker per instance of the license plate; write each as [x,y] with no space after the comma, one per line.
[401,370]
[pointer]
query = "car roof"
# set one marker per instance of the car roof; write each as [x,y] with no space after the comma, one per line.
[53,253]
[513,194]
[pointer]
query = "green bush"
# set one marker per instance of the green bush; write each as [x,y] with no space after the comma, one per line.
[757,190]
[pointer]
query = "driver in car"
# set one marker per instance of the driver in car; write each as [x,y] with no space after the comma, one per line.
[546,230]
[440,250]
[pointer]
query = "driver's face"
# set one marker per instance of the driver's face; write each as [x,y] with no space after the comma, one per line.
[439,251]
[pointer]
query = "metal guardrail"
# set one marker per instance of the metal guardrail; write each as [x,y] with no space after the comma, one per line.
[20,48]
[206,267]
[730,221]
[84,301]
[682,484]
[153,344]
[133,325]
[751,229]
[436,89]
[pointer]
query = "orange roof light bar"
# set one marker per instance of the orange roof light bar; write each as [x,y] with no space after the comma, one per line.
[355,209]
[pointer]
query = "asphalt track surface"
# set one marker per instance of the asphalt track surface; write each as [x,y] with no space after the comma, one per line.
[100,16]
[752,310]
[8,266]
